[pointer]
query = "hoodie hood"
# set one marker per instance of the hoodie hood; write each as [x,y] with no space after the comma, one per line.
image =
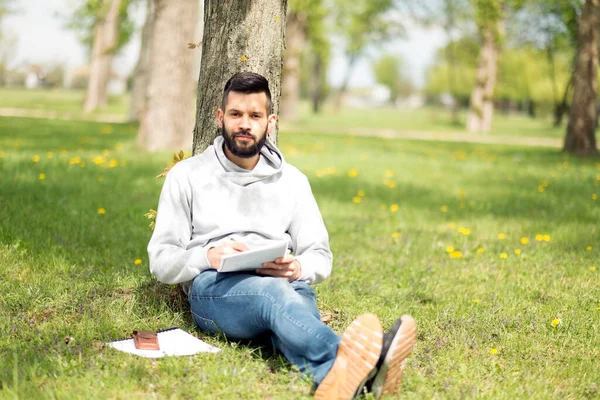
[270,163]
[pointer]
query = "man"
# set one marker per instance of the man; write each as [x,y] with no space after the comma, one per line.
[240,194]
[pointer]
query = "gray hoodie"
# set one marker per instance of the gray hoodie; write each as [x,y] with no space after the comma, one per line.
[207,199]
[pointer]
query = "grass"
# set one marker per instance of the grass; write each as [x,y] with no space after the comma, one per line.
[524,326]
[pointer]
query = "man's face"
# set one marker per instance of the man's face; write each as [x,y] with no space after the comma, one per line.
[244,123]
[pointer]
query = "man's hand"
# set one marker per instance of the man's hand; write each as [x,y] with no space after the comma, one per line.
[228,247]
[284,267]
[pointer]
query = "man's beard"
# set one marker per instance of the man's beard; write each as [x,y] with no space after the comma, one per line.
[243,152]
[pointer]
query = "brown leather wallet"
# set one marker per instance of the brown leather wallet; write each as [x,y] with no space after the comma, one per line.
[145,340]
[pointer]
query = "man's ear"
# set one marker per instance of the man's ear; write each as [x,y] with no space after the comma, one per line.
[271,122]
[220,118]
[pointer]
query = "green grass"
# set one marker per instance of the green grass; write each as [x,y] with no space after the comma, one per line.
[66,270]
[59,100]
[429,119]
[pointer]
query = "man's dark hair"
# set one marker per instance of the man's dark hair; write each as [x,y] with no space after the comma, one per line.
[247,82]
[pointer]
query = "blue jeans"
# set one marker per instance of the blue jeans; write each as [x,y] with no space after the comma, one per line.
[247,306]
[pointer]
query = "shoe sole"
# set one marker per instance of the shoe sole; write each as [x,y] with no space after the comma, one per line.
[394,363]
[357,356]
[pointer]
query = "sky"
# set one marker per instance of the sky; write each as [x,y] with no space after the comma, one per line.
[40,36]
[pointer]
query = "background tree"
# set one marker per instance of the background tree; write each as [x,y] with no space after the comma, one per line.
[305,32]
[104,27]
[581,131]
[142,68]
[364,23]
[168,117]
[239,35]
[388,72]
[489,16]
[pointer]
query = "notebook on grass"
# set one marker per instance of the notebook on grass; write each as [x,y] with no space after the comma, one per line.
[252,259]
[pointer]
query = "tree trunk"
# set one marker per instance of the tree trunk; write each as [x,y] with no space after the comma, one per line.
[169,118]
[105,40]
[239,35]
[142,68]
[481,108]
[317,83]
[581,130]
[295,40]
[339,95]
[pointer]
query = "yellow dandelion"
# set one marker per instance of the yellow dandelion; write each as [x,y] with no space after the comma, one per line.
[2,154]
[389,183]
[388,173]
[356,200]
[452,225]
[501,236]
[353,173]
[98,160]
[589,248]
[546,238]
[361,193]
[395,235]
[594,196]
[503,255]
[465,231]
[476,301]
[74,160]
[50,154]
[138,261]
[480,250]
[540,189]
[524,240]
[118,146]
[593,268]
[36,158]
[444,208]
[42,176]
[449,249]
[106,153]
[394,208]
[517,251]
[539,237]
[494,351]
[556,322]
[101,211]
[113,163]
[456,254]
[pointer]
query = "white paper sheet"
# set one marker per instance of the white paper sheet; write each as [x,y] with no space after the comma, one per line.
[253,258]
[172,342]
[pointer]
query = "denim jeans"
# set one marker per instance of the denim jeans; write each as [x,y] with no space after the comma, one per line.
[247,306]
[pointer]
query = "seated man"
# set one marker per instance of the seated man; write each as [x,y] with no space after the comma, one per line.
[240,194]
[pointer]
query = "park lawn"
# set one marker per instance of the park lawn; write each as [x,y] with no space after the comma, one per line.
[430,229]
[62,101]
[429,119]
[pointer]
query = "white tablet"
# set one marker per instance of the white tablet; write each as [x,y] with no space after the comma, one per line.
[253,258]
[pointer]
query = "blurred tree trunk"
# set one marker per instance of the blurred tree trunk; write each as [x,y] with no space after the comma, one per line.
[317,87]
[168,119]
[142,68]
[295,41]
[105,42]
[561,108]
[481,108]
[581,130]
[339,95]
[239,35]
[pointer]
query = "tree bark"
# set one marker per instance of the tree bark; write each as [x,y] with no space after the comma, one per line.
[481,108]
[581,130]
[142,68]
[295,40]
[239,35]
[169,117]
[105,40]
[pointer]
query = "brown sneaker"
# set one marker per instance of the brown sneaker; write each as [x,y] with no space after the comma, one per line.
[356,358]
[397,345]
